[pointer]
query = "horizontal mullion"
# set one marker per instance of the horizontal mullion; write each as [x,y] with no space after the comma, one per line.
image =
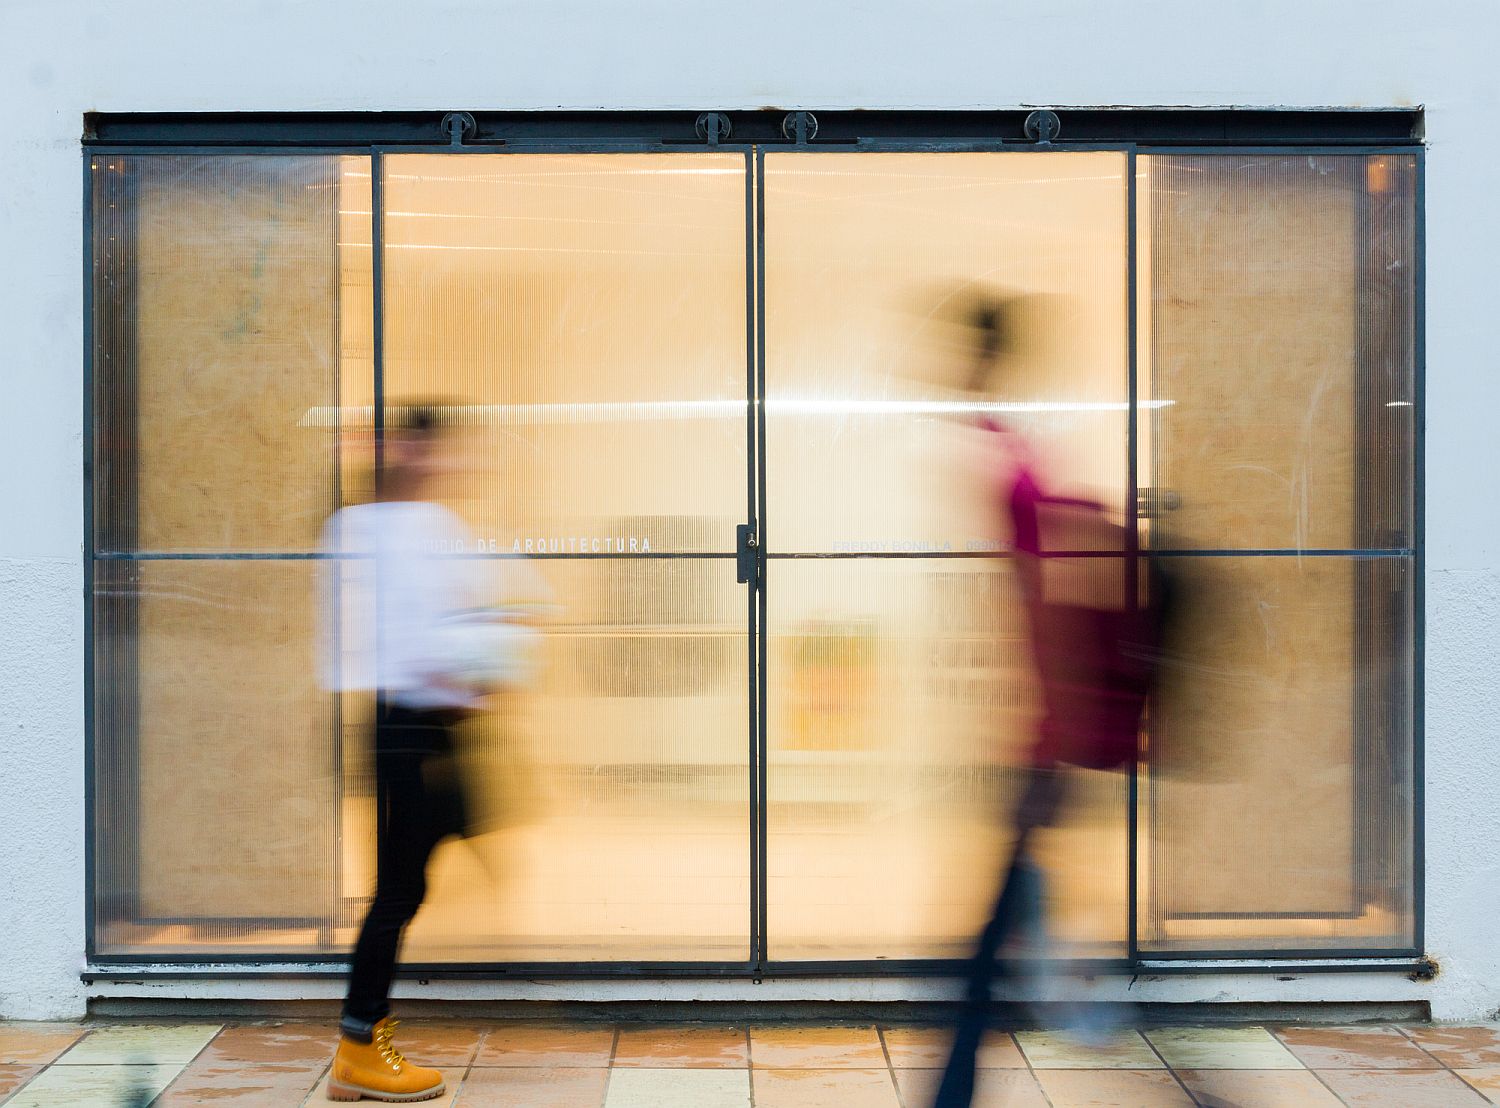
[1282,955]
[1286,552]
[812,555]
[164,966]
[324,556]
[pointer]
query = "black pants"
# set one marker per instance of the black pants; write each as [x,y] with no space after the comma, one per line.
[1017,907]
[418,804]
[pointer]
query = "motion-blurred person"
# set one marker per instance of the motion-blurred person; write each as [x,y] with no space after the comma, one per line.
[1093,623]
[432,651]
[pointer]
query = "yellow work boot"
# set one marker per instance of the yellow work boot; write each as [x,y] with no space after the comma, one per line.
[377,1070]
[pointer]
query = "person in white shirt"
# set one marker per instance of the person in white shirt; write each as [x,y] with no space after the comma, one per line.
[395,582]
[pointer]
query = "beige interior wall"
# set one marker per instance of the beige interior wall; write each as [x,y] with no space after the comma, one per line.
[236,785]
[1252,300]
[237,310]
[1253,317]
[237,317]
[1253,783]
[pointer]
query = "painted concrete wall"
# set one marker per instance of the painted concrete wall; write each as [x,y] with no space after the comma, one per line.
[60,58]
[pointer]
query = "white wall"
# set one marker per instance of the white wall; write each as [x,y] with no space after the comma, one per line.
[60,58]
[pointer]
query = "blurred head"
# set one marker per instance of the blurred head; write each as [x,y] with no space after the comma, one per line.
[978,332]
[413,451]
[992,324]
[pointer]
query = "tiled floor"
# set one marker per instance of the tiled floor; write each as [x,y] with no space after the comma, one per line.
[539,1065]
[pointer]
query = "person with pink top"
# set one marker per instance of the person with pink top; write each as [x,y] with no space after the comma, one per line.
[1094,645]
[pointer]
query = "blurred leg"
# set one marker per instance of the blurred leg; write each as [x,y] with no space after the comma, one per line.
[405,842]
[1019,902]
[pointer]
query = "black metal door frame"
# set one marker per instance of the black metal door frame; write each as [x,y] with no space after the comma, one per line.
[1342,133]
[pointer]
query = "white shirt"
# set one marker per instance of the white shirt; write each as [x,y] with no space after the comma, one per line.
[395,572]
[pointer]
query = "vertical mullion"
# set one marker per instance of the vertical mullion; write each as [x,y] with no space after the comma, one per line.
[753,675]
[1132,541]
[89,786]
[377,423]
[377,283]
[334,571]
[761,830]
[1419,536]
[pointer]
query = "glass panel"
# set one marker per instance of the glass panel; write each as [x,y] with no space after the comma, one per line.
[216,331]
[585,316]
[612,800]
[1277,810]
[900,701]
[215,760]
[874,265]
[615,794]
[1278,297]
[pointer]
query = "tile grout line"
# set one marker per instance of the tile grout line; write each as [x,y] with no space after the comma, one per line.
[469,1065]
[326,1070]
[1318,1077]
[211,1040]
[890,1068]
[1177,1077]
[609,1070]
[749,1065]
[1026,1060]
[1402,1032]
[83,1033]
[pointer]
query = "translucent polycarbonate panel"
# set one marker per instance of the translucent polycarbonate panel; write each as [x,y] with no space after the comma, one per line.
[352,422]
[1277,804]
[613,795]
[216,341]
[215,759]
[584,319]
[901,704]
[1278,318]
[875,265]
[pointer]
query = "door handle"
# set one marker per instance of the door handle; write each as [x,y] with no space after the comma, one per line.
[747,554]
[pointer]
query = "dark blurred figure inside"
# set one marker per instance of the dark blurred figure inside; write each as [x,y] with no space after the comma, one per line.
[1095,617]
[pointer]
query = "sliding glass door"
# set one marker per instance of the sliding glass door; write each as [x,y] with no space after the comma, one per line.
[713,411]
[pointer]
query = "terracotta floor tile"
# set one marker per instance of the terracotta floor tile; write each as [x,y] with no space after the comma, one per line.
[678,1088]
[1475,1045]
[13,1077]
[253,1083]
[687,1046]
[546,1046]
[452,1079]
[1484,1078]
[439,1043]
[25,1044]
[1258,1089]
[927,1048]
[517,1087]
[103,1086]
[140,1044]
[280,1043]
[1324,1048]
[824,1088]
[1400,1089]
[1003,1088]
[1222,1048]
[1113,1088]
[1115,1050]
[816,1048]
